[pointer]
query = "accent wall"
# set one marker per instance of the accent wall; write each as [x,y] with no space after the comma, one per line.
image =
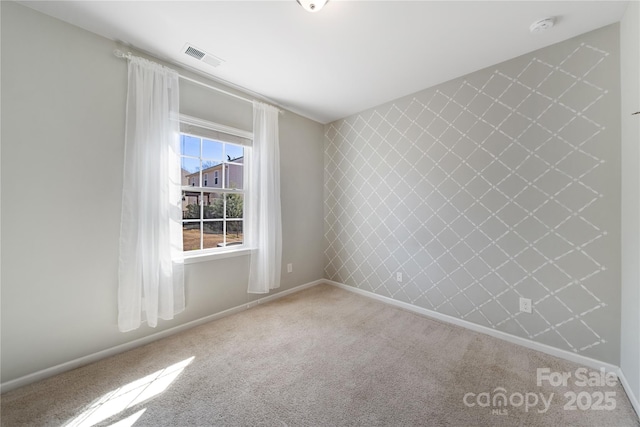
[501,184]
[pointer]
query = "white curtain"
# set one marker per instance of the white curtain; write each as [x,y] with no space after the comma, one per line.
[151,270]
[264,224]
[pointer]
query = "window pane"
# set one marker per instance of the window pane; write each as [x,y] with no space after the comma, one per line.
[212,150]
[234,233]
[212,172]
[190,171]
[213,237]
[208,164]
[234,177]
[191,236]
[189,146]
[235,153]
[213,205]
[234,206]
[191,204]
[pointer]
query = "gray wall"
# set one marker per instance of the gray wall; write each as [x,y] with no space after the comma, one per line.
[63,99]
[630,81]
[500,184]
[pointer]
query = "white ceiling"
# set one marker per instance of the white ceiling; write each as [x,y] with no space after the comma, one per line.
[350,56]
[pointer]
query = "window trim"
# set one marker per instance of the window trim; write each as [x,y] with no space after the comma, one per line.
[212,256]
[205,124]
[209,254]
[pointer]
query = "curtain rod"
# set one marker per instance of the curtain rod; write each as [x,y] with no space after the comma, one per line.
[128,55]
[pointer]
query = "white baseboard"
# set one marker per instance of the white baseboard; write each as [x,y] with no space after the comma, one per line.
[76,363]
[85,360]
[627,388]
[563,354]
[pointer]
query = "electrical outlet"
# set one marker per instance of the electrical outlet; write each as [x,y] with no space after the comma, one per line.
[399,277]
[525,305]
[289,268]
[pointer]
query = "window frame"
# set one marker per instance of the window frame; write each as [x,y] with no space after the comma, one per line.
[198,255]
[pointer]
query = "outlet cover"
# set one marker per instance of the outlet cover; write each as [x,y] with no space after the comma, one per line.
[525,305]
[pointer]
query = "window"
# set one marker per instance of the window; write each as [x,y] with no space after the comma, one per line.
[213,164]
[212,219]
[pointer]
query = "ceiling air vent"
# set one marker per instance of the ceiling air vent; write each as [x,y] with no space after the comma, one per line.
[201,55]
[192,51]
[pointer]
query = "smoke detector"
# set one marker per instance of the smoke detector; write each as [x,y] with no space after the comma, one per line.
[201,55]
[541,25]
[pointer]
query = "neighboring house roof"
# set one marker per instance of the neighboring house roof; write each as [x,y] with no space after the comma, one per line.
[217,166]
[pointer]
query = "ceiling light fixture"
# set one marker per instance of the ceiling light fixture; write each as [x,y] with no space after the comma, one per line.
[541,25]
[312,5]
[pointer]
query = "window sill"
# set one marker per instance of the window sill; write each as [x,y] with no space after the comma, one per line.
[212,256]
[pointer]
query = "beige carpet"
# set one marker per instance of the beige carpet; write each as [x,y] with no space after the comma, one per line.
[321,357]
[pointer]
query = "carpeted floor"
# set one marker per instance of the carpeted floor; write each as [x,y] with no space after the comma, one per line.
[321,357]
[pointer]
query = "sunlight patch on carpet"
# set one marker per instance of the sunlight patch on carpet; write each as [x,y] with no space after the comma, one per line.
[129,395]
[130,420]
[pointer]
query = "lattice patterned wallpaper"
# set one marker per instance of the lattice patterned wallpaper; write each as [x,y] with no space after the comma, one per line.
[500,184]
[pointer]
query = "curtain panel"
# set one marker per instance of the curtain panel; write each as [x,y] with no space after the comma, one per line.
[264,225]
[151,269]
